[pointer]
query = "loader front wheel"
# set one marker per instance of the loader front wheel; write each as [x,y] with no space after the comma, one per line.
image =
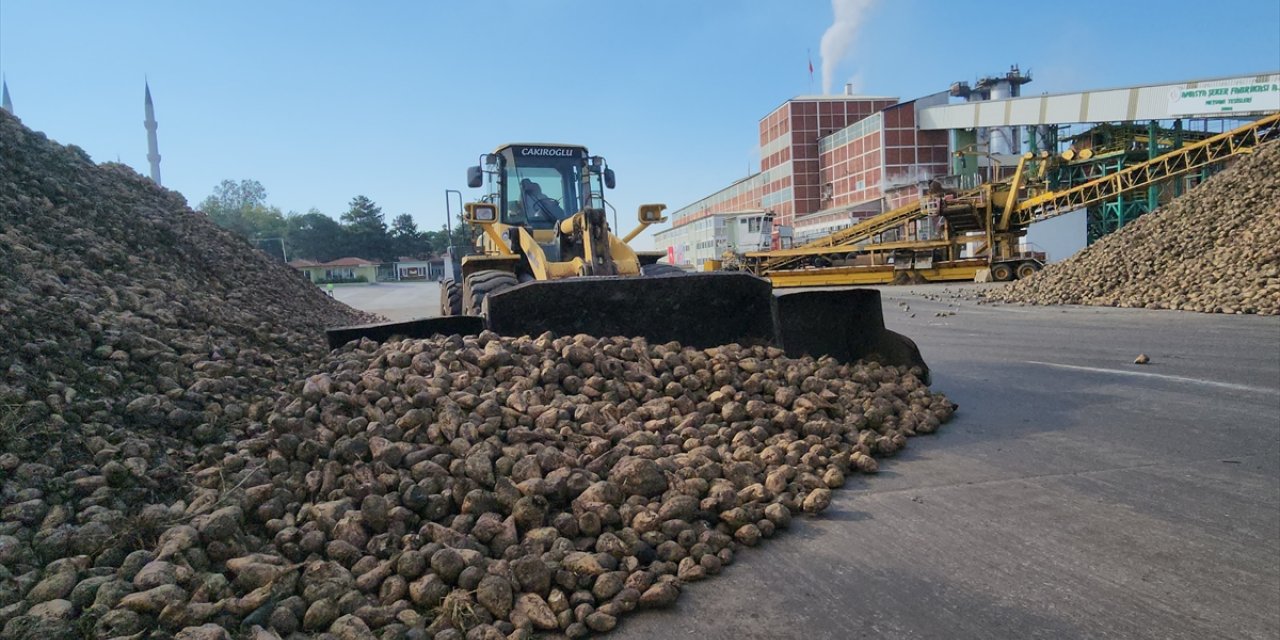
[661,269]
[481,284]
[450,298]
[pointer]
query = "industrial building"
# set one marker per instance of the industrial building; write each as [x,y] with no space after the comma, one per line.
[828,162]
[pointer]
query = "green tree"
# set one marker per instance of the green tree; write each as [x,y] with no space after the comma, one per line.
[367,230]
[315,236]
[463,238]
[230,195]
[265,222]
[241,207]
[433,242]
[406,240]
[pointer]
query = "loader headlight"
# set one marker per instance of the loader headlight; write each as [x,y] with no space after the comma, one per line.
[481,212]
[651,213]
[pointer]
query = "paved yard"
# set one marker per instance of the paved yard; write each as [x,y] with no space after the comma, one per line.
[395,300]
[1075,495]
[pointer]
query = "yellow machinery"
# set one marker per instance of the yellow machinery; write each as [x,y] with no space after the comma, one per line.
[546,260]
[990,218]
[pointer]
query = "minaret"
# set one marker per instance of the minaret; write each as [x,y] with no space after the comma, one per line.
[153,147]
[5,102]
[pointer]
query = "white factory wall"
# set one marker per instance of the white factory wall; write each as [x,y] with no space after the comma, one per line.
[1240,96]
[693,243]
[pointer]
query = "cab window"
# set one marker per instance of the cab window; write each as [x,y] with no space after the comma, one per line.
[541,192]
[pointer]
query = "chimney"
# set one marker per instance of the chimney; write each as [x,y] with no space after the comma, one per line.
[848,89]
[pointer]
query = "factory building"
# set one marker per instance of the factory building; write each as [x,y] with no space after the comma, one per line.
[825,163]
[828,162]
[710,236]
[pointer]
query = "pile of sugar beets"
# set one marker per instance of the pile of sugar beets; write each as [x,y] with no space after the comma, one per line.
[1214,250]
[237,481]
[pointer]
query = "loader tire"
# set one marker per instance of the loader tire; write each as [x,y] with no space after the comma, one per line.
[450,298]
[1027,269]
[661,269]
[481,284]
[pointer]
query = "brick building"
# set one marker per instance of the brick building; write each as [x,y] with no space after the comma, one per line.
[825,162]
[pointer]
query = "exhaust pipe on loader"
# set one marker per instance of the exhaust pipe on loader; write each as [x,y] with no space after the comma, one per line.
[696,310]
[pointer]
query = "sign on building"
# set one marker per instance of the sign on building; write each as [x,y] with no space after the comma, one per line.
[1237,96]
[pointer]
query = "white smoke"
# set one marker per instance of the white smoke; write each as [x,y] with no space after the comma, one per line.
[849,15]
[915,174]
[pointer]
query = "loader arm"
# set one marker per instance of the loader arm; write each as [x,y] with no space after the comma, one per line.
[589,230]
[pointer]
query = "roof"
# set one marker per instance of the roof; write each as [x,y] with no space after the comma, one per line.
[348,262]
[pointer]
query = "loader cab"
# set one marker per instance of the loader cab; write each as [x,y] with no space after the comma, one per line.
[538,185]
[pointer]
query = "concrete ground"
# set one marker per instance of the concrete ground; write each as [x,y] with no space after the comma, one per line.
[395,300]
[1074,495]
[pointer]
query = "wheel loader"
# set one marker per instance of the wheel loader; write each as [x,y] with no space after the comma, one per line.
[546,259]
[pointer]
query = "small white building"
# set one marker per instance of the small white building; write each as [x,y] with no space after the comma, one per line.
[408,268]
[709,237]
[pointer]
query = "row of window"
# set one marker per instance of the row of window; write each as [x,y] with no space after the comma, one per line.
[771,200]
[851,132]
[724,195]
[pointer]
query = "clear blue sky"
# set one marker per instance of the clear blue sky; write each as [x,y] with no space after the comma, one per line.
[322,101]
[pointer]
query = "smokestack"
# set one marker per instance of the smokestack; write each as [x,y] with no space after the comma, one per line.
[848,89]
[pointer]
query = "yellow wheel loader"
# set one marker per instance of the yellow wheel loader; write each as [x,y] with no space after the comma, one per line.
[546,260]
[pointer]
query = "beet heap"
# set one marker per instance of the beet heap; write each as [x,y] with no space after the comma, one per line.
[184,459]
[1215,250]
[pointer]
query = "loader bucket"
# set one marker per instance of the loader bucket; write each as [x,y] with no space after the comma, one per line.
[420,328]
[846,324]
[697,310]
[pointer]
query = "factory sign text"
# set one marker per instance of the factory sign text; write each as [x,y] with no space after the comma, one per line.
[1240,96]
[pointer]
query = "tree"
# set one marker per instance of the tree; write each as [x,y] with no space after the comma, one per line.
[463,238]
[230,195]
[433,242]
[267,222]
[403,226]
[315,236]
[366,229]
[242,208]
[406,240]
[364,216]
